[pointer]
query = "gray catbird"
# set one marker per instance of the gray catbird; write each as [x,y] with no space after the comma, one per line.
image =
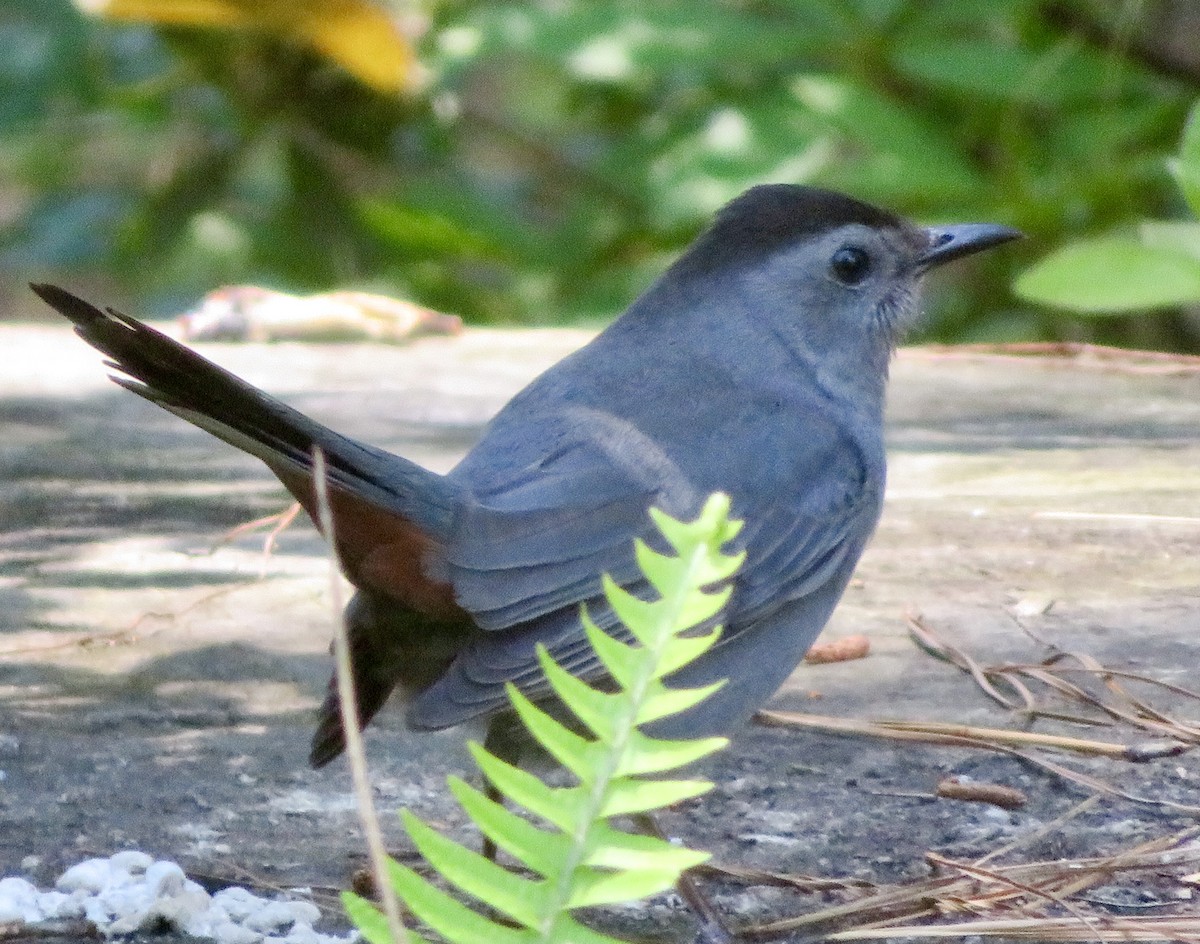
[755,365]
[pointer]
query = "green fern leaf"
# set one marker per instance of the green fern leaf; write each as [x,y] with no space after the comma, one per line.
[449,917]
[540,849]
[371,922]
[519,898]
[647,755]
[559,808]
[671,701]
[615,849]
[575,753]
[566,930]
[631,611]
[640,796]
[596,709]
[584,860]
[620,660]
[685,649]
[592,887]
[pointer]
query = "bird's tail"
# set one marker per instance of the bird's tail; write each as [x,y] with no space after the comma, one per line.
[389,513]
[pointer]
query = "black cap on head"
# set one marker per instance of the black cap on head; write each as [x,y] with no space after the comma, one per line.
[770,216]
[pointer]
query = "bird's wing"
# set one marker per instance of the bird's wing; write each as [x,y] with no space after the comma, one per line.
[564,506]
[529,550]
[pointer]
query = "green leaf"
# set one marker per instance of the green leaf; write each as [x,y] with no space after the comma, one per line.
[647,755]
[558,807]
[519,898]
[661,570]
[1112,275]
[450,918]
[570,931]
[1171,236]
[419,234]
[685,649]
[574,752]
[1186,166]
[986,69]
[664,572]
[638,796]
[613,849]
[716,565]
[993,70]
[619,44]
[702,606]
[602,887]
[711,528]
[663,700]
[199,183]
[764,139]
[619,659]
[596,709]
[541,850]
[631,611]
[900,154]
[371,922]
[66,229]
[586,862]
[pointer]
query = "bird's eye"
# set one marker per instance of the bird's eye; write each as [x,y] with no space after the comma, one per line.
[850,265]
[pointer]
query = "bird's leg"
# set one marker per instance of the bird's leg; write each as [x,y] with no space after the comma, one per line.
[502,741]
[712,928]
[486,846]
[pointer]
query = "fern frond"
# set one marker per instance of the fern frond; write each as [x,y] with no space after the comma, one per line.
[578,857]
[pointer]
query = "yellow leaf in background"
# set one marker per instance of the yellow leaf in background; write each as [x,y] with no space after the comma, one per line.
[169,13]
[361,37]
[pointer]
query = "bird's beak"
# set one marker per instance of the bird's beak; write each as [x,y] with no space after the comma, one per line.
[947,243]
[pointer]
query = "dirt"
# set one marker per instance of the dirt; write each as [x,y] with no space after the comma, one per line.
[157,690]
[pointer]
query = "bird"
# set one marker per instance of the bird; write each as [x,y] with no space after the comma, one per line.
[755,365]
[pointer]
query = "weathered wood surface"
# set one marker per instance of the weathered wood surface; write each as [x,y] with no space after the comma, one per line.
[157,693]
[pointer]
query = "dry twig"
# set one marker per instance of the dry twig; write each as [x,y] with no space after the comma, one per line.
[1027,900]
[1013,896]
[351,726]
[280,521]
[1113,704]
[895,730]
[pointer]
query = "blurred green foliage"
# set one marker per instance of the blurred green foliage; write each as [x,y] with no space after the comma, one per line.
[561,152]
[1156,267]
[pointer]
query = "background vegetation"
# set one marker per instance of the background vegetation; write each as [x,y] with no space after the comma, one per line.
[540,161]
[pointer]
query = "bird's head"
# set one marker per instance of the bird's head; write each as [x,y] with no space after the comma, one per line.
[834,278]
